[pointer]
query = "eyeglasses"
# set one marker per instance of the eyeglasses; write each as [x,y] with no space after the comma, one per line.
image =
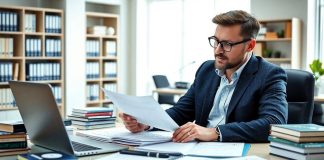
[226,46]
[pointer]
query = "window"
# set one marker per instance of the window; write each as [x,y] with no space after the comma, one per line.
[178,32]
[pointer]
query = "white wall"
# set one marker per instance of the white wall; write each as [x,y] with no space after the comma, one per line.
[75,58]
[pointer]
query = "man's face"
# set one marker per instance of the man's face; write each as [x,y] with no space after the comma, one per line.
[232,59]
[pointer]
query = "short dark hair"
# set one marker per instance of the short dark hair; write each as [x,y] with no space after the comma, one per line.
[249,25]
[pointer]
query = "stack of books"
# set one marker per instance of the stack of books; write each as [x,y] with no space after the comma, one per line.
[13,138]
[297,141]
[92,118]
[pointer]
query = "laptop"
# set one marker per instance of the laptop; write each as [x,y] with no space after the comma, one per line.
[44,125]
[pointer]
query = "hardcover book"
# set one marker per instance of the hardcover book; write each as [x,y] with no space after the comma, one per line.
[295,138]
[300,130]
[12,126]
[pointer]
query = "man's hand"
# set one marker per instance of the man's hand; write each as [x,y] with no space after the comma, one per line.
[131,123]
[191,131]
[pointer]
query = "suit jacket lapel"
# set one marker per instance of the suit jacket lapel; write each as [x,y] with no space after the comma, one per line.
[209,98]
[244,81]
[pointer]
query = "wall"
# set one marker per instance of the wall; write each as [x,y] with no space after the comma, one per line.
[283,9]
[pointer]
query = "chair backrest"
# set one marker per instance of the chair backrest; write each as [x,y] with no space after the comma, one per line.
[161,81]
[300,96]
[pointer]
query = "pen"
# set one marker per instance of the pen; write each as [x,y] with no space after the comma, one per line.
[149,154]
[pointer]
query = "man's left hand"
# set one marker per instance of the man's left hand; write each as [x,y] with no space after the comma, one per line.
[191,131]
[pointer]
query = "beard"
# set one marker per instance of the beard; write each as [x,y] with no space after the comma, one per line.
[225,64]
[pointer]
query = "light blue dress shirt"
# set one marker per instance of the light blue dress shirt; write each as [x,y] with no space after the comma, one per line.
[223,97]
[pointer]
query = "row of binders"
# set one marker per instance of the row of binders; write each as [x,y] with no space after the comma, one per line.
[9,21]
[30,22]
[93,92]
[92,70]
[6,98]
[53,47]
[111,48]
[53,24]
[92,118]
[297,141]
[6,47]
[7,72]
[34,47]
[39,71]
[110,69]
[92,48]
[57,92]
[110,87]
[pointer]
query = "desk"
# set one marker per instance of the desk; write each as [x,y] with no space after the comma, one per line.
[173,91]
[319,99]
[258,149]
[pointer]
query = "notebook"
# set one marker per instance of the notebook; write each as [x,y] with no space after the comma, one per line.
[122,136]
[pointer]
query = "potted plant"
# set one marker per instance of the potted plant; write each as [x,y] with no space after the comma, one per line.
[318,71]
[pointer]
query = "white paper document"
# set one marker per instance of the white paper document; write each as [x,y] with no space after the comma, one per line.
[200,149]
[145,109]
[123,136]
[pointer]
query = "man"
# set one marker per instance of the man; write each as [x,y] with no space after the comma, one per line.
[234,98]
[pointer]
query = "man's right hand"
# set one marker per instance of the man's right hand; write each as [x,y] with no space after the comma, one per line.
[131,123]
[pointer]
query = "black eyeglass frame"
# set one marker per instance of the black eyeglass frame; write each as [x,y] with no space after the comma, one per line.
[227,43]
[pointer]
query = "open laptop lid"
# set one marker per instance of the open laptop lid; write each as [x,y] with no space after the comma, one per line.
[39,111]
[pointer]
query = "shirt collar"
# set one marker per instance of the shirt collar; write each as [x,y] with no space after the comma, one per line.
[238,72]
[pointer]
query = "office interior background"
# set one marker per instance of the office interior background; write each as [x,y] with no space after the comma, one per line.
[158,37]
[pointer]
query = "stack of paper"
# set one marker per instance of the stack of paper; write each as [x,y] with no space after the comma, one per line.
[200,149]
[123,136]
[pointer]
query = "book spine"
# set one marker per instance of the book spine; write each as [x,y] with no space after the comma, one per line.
[12,145]
[300,145]
[98,114]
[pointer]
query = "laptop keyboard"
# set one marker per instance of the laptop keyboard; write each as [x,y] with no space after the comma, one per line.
[79,147]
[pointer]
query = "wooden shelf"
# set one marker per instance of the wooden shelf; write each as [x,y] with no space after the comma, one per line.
[19,45]
[43,58]
[107,20]
[274,40]
[110,58]
[93,80]
[11,33]
[93,102]
[109,79]
[106,101]
[101,15]
[11,58]
[93,58]
[102,36]
[53,34]
[3,108]
[4,84]
[274,20]
[34,33]
[278,59]
[49,81]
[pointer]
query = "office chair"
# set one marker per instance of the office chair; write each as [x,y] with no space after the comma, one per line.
[318,114]
[161,81]
[300,96]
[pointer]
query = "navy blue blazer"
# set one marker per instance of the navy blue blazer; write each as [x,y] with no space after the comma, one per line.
[259,100]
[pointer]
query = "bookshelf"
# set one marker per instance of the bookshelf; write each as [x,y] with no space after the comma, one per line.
[102,36]
[279,42]
[31,49]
